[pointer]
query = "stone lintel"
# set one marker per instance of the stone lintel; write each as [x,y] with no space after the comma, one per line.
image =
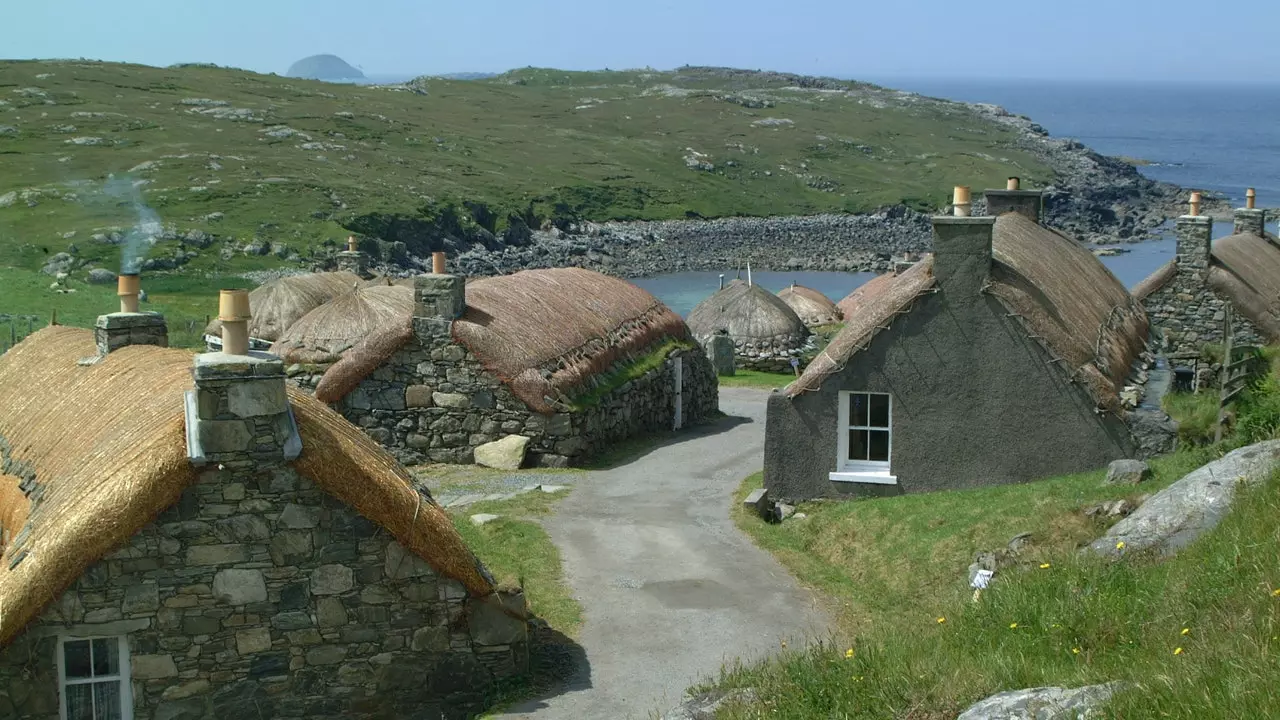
[221,366]
[124,321]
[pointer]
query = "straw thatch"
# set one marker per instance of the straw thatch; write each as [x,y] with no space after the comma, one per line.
[325,333]
[853,303]
[378,280]
[813,307]
[277,304]
[1246,271]
[87,492]
[1156,280]
[1066,298]
[880,299]
[545,333]
[749,314]
[1069,300]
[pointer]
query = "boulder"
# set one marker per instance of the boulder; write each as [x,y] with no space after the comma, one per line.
[504,454]
[483,518]
[1127,472]
[1174,517]
[101,276]
[1043,703]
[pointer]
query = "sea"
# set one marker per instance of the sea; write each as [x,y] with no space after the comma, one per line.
[1217,137]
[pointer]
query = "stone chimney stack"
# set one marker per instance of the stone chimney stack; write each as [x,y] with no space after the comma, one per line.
[438,300]
[129,327]
[1194,239]
[352,260]
[1028,203]
[1249,219]
[962,248]
[238,415]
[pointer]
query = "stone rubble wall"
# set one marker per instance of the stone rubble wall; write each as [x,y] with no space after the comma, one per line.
[772,355]
[434,401]
[262,596]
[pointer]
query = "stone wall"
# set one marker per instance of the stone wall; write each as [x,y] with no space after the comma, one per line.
[435,401]
[772,355]
[260,596]
[1186,311]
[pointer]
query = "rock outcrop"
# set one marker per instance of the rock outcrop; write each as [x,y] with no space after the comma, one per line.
[1044,703]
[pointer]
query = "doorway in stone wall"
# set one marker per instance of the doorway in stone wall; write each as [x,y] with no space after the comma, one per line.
[678,368]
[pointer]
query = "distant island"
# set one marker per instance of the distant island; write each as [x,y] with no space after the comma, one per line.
[324,67]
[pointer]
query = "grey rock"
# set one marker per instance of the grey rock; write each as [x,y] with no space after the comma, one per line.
[101,276]
[332,580]
[705,705]
[1043,703]
[504,454]
[239,587]
[495,620]
[483,518]
[1127,472]
[1174,517]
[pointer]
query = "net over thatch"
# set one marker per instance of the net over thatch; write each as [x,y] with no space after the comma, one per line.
[277,304]
[813,307]
[853,303]
[1156,280]
[1064,296]
[1246,271]
[878,302]
[546,333]
[100,451]
[749,314]
[325,333]
[1068,299]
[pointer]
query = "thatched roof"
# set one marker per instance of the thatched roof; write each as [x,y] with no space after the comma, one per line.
[378,280]
[277,304]
[813,307]
[1246,269]
[1063,294]
[325,333]
[749,314]
[854,302]
[1156,280]
[546,333]
[87,492]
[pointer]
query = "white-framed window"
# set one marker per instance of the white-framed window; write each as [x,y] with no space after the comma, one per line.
[93,679]
[865,432]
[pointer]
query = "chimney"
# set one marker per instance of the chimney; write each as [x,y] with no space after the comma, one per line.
[1028,203]
[1249,219]
[352,260]
[961,204]
[1194,238]
[962,249]
[238,415]
[129,327]
[438,300]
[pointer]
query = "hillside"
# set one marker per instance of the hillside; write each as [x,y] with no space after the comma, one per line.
[324,67]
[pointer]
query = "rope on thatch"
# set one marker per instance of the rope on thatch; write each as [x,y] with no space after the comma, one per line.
[813,307]
[324,334]
[278,304]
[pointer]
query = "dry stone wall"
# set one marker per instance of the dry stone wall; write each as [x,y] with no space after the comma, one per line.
[260,596]
[435,401]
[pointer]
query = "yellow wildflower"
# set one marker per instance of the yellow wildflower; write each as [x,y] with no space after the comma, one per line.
[1177,651]
[1045,566]
[1075,651]
[848,653]
[1276,592]
[941,620]
[1013,626]
[1186,631]
[1120,545]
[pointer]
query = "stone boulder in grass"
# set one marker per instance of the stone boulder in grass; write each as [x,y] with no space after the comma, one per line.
[503,454]
[1043,703]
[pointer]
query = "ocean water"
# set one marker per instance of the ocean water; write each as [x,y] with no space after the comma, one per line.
[1223,138]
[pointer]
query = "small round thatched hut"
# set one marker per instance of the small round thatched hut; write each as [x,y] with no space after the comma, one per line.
[813,307]
[322,335]
[277,304]
[765,330]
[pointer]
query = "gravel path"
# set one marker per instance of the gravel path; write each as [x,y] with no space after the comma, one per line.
[670,588]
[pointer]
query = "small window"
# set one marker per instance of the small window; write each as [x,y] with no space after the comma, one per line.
[94,676]
[866,433]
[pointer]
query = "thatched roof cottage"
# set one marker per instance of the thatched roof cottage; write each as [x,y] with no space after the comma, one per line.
[278,304]
[322,335]
[999,358]
[1186,297]
[812,307]
[185,537]
[767,334]
[552,364]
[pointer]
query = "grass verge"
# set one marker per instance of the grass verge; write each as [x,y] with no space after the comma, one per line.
[756,379]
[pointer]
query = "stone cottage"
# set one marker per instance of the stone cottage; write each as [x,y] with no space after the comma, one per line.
[1186,297]
[553,365]
[999,358]
[183,537]
[767,334]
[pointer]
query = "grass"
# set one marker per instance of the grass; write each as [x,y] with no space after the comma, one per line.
[531,146]
[756,379]
[612,380]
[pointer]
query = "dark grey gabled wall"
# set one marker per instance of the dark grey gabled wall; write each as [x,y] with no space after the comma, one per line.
[975,402]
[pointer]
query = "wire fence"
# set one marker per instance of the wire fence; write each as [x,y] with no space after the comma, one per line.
[13,328]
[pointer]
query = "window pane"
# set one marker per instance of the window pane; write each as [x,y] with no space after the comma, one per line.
[857,444]
[879,411]
[106,656]
[879,446]
[79,701]
[858,409]
[106,698]
[76,658]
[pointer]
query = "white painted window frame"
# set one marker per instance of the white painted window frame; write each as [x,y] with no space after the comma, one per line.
[868,471]
[124,677]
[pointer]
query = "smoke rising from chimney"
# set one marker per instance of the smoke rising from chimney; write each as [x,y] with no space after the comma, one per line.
[146,229]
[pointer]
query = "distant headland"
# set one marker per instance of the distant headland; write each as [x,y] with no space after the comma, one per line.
[324,67]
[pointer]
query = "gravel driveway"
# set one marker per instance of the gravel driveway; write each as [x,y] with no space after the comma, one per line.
[669,587]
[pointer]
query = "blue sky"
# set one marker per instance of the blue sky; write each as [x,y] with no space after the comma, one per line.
[1084,39]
